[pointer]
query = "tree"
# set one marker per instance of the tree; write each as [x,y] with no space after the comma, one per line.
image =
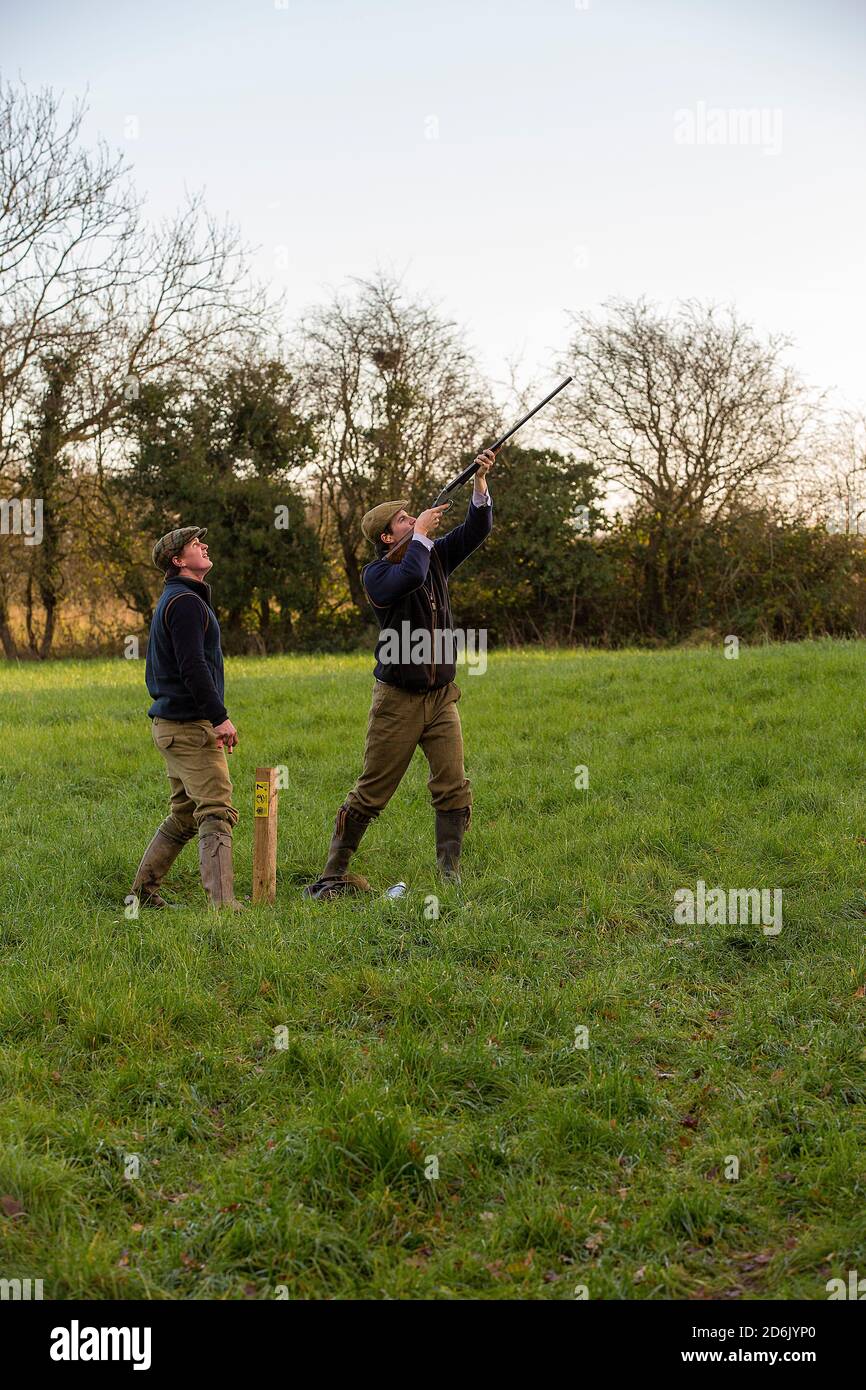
[396,402]
[833,488]
[227,456]
[534,577]
[689,413]
[48,476]
[93,304]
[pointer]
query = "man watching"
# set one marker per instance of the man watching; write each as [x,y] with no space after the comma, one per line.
[191,729]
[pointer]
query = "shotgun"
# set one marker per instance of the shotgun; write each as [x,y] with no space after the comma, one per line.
[395,555]
[469,472]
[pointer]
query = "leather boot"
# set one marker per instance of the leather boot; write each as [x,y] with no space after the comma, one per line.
[158,859]
[335,880]
[215,862]
[450,828]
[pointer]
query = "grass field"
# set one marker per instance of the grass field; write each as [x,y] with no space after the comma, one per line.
[411,1037]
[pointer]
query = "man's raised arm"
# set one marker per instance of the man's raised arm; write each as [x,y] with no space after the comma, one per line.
[454,548]
[388,580]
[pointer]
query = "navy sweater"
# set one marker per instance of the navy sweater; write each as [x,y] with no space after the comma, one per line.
[415,592]
[184,666]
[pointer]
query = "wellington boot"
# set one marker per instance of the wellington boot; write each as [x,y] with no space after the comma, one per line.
[450,828]
[158,859]
[215,862]
[335,879]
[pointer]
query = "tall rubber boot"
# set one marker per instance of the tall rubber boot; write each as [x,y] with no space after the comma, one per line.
[215,863]
[158,859]
[450,828]
[335,880]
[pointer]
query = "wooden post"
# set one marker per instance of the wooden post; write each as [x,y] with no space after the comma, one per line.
[265,836]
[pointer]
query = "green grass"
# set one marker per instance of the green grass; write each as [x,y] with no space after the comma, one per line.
[410,1035]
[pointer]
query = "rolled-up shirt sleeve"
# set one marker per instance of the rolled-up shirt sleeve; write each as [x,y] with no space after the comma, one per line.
[481,499]
[454,547]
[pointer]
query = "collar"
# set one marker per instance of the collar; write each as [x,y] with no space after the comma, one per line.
[197,586]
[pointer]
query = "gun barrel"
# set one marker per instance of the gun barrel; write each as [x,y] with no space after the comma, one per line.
[529,414]
[473,467]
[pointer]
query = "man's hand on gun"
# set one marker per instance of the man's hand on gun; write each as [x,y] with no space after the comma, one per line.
[430,518]
[485,462]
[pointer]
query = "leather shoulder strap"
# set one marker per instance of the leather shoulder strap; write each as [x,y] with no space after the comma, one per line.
[187,594]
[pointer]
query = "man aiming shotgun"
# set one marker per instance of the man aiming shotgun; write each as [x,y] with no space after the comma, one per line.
[415,698]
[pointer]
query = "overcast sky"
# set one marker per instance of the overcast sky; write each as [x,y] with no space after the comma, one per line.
[512,159]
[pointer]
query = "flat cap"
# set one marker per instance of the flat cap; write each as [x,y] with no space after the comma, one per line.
[377,519]
[173,543]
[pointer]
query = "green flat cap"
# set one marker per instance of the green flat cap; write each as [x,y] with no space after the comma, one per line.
[173,543]
[378,518]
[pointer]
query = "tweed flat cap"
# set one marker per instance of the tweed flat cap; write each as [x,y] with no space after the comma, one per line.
[173,543]
[377,519]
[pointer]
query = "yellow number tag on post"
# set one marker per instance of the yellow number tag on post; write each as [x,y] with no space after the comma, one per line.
[262,798]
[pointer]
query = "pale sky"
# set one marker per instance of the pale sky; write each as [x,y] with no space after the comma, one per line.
[513,159]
